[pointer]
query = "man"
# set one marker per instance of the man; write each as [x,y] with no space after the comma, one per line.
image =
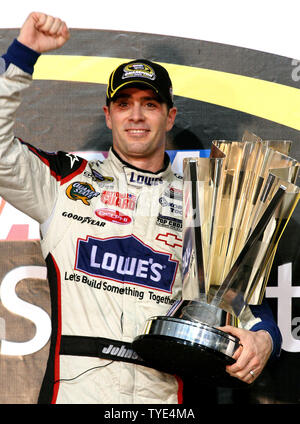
[100,223]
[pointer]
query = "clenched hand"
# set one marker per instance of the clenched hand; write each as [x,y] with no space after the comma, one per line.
[42,32]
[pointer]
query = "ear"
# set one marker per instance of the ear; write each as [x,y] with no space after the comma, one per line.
[171,118]
[107,117]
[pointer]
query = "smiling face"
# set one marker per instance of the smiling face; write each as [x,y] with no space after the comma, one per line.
[139,122]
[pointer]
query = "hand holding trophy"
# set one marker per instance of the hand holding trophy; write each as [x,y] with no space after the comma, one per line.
[236,206]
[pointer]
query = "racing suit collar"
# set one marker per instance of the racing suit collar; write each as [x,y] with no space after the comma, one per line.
[138,177]
[128,165]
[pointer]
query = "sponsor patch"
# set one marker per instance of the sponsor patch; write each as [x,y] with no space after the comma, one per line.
[114,216]
[138,180]
[81,191]
[83,219]
[100,177]
[169,222]
[174,193]
[122,200]
[126,260]
[169,239]
[103,182]
[172,206]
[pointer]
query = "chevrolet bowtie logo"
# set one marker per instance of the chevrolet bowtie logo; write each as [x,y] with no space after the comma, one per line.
[170,239]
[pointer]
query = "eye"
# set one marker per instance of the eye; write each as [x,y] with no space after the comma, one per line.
[122,104]
[151,105]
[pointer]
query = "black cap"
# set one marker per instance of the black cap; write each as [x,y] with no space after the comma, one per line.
[141,72]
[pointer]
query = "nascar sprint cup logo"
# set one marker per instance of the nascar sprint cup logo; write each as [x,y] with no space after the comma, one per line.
[109,258]
[143,70]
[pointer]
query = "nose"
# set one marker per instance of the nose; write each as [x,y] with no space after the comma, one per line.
[136,113]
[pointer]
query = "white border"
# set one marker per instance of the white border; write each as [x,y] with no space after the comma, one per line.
[262,25]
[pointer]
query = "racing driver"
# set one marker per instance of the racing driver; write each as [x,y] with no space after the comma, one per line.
[109,268]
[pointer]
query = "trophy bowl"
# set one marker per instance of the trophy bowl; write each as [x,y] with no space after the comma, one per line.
[184,347]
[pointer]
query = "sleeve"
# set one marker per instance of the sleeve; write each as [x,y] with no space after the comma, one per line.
[29,177]
[267,322]
[21,56]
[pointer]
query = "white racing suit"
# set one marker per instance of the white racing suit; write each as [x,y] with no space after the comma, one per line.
[111,239]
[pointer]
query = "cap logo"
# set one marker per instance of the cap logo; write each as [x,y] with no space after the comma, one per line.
[140,70]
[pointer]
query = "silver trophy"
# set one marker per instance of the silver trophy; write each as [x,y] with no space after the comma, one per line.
[236,206]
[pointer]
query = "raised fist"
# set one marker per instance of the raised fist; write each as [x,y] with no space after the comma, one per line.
[42,32]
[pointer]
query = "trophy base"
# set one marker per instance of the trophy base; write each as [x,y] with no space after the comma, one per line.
[188,349]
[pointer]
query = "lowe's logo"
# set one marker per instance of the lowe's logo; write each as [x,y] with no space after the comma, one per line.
[127,260]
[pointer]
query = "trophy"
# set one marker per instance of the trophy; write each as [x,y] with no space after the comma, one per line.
[236,205]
